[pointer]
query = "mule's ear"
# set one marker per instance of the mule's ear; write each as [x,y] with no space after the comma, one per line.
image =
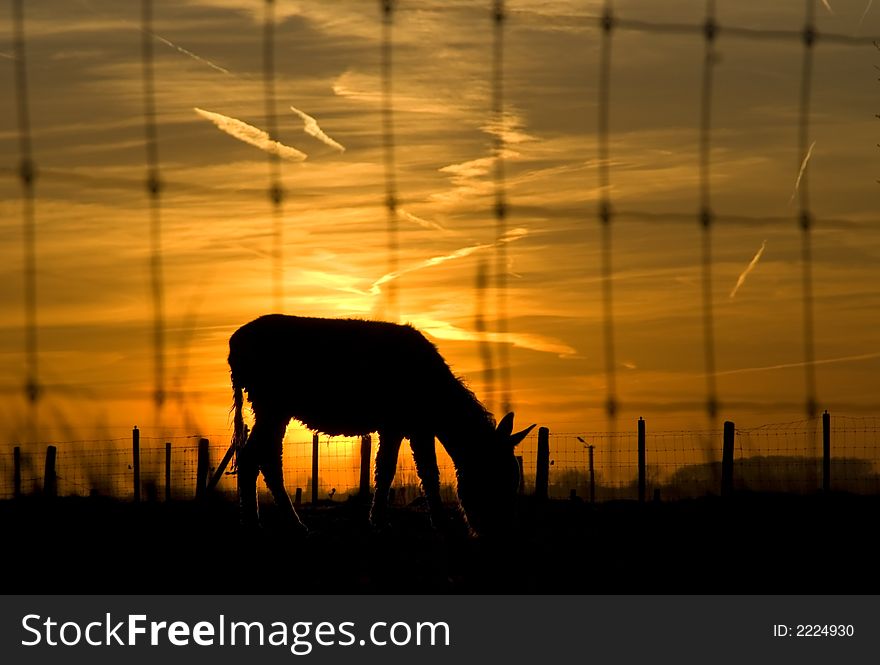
[505,427]
[519,436]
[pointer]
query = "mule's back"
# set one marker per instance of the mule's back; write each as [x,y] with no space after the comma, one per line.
[340,376]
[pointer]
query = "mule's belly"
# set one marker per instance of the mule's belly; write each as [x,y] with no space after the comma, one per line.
[341,410]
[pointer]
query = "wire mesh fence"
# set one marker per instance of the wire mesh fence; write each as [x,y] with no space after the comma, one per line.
[606,26]
[777,457]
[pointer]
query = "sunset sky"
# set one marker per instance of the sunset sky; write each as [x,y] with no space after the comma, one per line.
[94,307]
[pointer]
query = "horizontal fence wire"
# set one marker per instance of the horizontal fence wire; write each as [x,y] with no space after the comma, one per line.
[777,457]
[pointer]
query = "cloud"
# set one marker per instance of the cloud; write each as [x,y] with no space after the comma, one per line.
[251,135]
[312,129]
[745,273]
[445,330]
[827,6]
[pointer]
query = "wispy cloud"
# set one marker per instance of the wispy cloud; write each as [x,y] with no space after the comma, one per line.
[827,6]
[745,273]
[446,330]
[510,236]
[8,56]
[251,135]
[310,127]
[797,183]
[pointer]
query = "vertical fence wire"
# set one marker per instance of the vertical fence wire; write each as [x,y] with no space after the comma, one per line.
[706,221]
[27,177]
[804,212]
[500,209]
[276,188]
[604,211]
[154,187]
[706,214]
[484,348]
[391,301]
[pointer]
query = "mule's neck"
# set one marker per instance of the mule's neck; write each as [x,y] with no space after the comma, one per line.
[466,426]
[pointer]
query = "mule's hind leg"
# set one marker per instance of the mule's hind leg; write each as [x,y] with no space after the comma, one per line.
[269,435]
[425,457]
[248,470]
[386,466]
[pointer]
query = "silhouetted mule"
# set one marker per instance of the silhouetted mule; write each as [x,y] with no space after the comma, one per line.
[352,377]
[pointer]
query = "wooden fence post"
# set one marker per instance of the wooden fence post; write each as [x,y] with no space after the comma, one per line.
[641,460]
[16,472]
[168,471]
[727,459]
[366,455]
[542,473]
[826,452]
[50,480]
[136,462]
[202,469]
[592,478]
[315,469]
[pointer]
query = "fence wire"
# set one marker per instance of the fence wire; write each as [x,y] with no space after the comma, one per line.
[773,458]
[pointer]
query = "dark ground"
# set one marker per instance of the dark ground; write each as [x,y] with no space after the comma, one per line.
[748,544]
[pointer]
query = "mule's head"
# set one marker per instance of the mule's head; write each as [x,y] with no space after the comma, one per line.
[488,486]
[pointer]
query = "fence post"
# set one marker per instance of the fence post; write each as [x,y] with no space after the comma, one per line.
[727,459]
[50,480]
[136,462]
[542,473]
[641,460]
[592,478]
[366,455]
[826,452]
[168,471]
[522,478]
[16,472]
[202,469]
[315,469]
[298,497]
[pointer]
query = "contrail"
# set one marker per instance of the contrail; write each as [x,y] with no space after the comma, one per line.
[827,6]
[252,135]
[865,13]
[310,127]
[167,42]
[825,361]
[424,223]
[797,183]
[749,268]
[192,55]
[510,236]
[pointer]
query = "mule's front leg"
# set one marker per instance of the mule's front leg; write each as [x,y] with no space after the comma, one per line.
[386,466]
[425,456]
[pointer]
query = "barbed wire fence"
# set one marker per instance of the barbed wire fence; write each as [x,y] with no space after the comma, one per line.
[609,216]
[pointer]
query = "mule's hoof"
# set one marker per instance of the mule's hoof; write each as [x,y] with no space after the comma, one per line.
[380,526]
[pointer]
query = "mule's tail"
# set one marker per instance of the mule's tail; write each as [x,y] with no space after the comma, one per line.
[238,436]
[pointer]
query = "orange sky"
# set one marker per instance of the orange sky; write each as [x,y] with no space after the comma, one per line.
[94,309]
